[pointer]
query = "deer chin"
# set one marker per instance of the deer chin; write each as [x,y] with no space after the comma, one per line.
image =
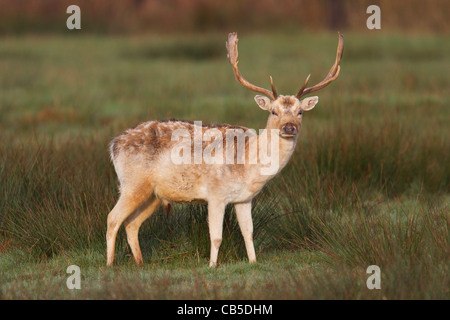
[287,136]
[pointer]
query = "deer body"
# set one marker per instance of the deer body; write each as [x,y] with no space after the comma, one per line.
[148,177]
[145,152]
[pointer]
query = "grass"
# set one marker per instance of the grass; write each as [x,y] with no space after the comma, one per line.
[367,185]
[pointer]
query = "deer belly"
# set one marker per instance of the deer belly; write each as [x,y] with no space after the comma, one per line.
[179,186]
[177,194]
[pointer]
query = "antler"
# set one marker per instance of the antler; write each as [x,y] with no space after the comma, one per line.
[331,76]
[232,55]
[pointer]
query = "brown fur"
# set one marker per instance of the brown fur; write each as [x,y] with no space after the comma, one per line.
[287,101]
[155,136]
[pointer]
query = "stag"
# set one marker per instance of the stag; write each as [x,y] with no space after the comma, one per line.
[149,177]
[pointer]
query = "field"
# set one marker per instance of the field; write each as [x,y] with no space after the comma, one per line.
[368,183]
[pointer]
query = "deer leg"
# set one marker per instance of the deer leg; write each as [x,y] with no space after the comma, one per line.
[216,211]
[134,222]
[127,204]
[244,216]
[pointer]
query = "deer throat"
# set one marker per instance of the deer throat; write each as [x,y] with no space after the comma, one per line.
[263,173]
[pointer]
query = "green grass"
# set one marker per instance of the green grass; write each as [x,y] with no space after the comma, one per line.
[367,185]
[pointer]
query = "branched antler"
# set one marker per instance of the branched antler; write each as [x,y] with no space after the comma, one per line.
[231,45]
[332,74]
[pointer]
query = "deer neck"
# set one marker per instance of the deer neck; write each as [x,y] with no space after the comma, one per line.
[281,146]
[287,147]
[270,166]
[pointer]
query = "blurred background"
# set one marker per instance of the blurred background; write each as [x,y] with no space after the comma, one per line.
[137,16]
[369,182]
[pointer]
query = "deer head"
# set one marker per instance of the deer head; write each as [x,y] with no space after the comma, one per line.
[285,111]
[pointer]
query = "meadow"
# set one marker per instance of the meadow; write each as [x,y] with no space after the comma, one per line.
[368,183]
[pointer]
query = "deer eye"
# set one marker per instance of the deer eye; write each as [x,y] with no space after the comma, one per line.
[300,113]
[274,113]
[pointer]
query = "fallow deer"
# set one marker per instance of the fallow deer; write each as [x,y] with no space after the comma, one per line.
[149,177]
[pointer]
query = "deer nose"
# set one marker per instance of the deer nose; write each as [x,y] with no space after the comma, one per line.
[290,129]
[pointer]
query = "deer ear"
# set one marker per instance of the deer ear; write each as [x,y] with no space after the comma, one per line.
[263,102]
[309,103]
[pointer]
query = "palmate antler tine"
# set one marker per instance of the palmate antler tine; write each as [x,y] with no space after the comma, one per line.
[232,55]
[332,74]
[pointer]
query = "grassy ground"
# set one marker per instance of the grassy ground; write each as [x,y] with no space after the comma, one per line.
[367,185]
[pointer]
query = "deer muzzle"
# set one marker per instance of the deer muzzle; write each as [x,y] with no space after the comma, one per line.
[289,130]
